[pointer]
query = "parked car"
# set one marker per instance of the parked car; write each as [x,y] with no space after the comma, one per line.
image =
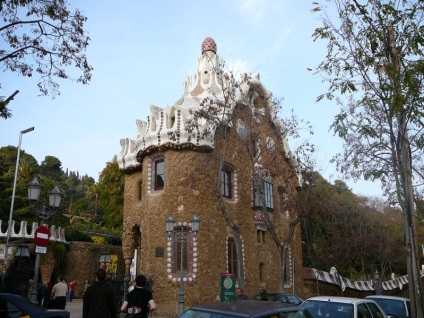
[342,307]
[287,298]
[246,309]
[263,296]
[14,306]
[395,307]
[279,297]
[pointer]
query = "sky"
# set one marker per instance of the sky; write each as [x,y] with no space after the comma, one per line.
[142,51]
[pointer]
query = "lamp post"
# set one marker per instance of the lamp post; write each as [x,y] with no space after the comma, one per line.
[377,283]
[179,233]
[6,251]
[104,261]
[55,196]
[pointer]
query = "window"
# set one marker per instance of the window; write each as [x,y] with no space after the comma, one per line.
[185,251]
[140,190]
[288,268]
[232,256]
[260,236]
[184,254]
[226,183]
[263,190]
[261,272]
[159,174]
[254,145]
[269,199]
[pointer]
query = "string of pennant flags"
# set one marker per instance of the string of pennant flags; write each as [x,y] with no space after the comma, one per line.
[333,277]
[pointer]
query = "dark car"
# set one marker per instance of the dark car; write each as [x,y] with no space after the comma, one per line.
[279,297]
[287,298]
[246,309]
[264,296]
[14,306]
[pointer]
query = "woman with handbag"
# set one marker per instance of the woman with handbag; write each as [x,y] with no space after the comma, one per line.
[139,301]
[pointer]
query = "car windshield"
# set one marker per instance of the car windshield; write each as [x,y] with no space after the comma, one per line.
[295,313]
[391,307]
[321,309]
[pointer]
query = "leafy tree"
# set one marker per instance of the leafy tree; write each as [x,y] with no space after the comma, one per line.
[219,113]
[42,38]
[343,230]
[111,198]
[375,59]
[51,167]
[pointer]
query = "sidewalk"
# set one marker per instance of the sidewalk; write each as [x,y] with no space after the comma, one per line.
[75,308]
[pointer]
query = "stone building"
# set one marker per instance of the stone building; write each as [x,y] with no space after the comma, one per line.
[233,169]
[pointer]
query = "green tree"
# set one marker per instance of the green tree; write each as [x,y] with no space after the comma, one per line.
[42,38]
[374,67]
[111,189]
[51,167]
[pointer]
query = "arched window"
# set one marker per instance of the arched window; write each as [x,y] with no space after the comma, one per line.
[228,182]
[232,256]
[156,173]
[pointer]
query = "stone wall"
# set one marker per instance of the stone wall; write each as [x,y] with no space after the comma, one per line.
[82,260]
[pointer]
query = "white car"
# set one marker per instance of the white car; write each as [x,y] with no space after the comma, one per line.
[394,307]
[342,307]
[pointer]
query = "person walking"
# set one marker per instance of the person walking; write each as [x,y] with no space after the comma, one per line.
[240,294]
[59,294]
[139,301]
[47,302]
[72,284]
[86,285]
[99,301]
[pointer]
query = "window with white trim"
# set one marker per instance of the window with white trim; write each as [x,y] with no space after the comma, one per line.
[159,174]
[227,186]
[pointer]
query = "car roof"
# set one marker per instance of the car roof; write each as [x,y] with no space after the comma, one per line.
[245,307]
[387,297]
[339,299]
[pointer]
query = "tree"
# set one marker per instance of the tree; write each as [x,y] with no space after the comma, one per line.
[241,109]
[42,38]
[111,190]
[374,59]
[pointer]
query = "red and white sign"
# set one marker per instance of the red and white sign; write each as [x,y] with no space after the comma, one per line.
[41,236]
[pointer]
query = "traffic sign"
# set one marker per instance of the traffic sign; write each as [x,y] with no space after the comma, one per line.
[40,249]
[41,236]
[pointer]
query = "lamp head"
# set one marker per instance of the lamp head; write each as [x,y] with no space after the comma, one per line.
[170,224]
[34,189]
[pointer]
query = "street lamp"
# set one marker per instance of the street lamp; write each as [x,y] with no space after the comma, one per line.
[6,251]
[105,260]
[179,234]
[377,283]
[55,196]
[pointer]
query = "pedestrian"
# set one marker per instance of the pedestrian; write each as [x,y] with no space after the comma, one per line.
[99,301]
[86,285]
[71,285]
[59,294]
[139,301]
[132,284]
[47,297]
[240,295]
[41,292]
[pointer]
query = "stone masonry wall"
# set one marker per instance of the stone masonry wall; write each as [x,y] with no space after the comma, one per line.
[82,260]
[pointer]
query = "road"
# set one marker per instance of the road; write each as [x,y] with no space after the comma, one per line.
[75,308]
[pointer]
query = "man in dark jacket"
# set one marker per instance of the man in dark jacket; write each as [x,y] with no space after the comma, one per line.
[99,301]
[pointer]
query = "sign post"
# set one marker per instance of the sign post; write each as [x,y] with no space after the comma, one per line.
[41,237]
[228,284]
